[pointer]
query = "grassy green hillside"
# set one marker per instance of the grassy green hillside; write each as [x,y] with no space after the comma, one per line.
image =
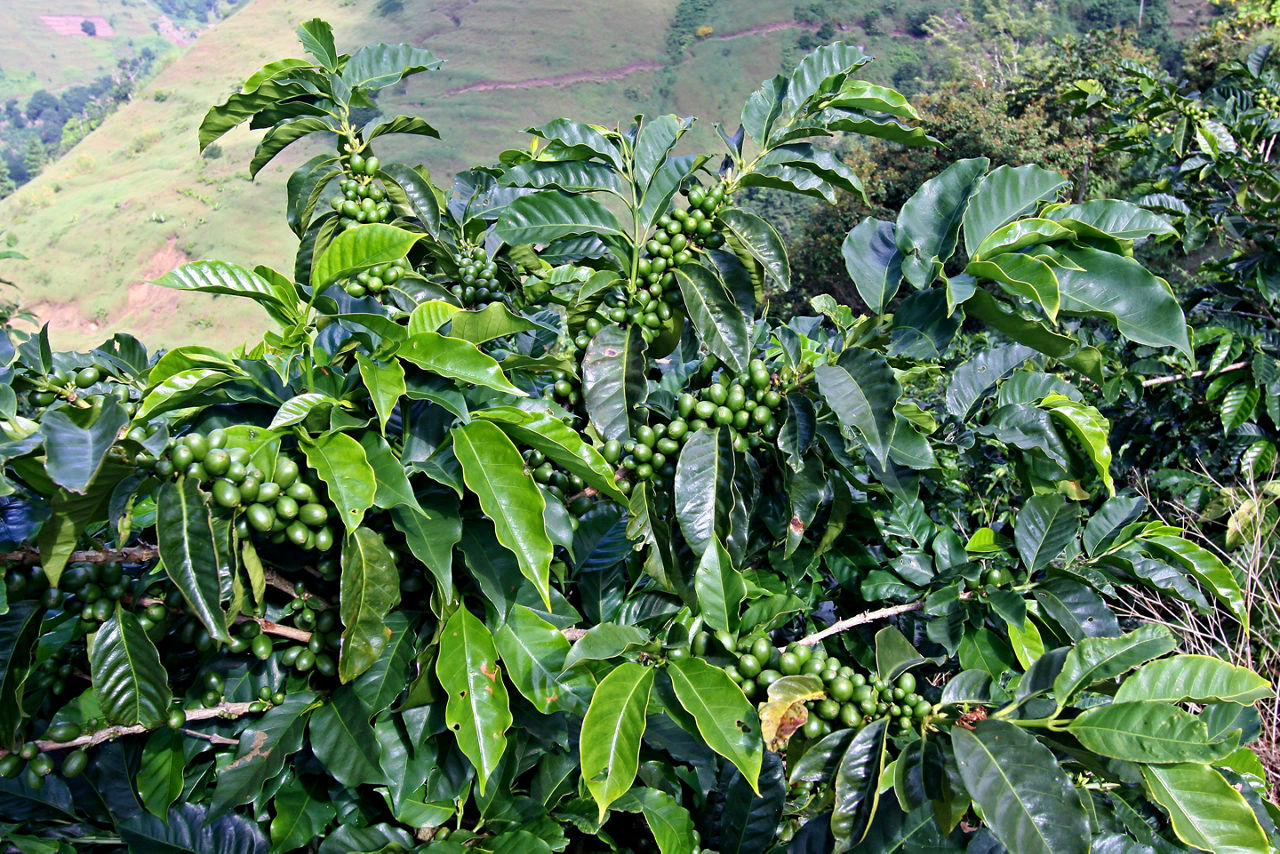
[134,199]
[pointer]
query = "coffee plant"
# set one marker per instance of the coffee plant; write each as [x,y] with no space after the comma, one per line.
[528,529]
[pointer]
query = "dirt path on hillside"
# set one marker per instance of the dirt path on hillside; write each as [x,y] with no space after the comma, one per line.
[617,72]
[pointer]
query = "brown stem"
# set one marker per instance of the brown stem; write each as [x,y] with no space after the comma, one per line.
[222,710]
[1155,381]
[270,628]
[129,554]
[859,620]
[284,585]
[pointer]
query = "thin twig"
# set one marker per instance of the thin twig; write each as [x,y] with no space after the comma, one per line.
[1155,381]
[284,585]
[271,628]
[222,710]
[210,737]
[860,620]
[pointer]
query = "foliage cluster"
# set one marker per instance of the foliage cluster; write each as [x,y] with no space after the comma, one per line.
[491,543]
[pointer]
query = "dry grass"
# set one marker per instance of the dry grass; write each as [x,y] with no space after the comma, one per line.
[1254,559]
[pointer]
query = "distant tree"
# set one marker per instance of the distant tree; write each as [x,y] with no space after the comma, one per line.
[7,184]
[35,158]
[89,28]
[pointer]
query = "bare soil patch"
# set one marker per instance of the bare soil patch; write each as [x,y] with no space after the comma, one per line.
[69,25]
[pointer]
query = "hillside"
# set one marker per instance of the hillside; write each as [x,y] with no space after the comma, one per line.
[134,199]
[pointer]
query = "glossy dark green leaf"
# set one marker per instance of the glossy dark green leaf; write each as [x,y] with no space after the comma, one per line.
[669,822]
[972,380]
[605,641]
[1149,732]
[1206,811]
[1078,609]
[185,540]
[862,390]
[1211,572]
[190,829]
[857,787]
[573,176]
[613,380]
[894,654]
[317,39]
[370,589]
[534,652]
[379,65]
[477,708]
[431,536]
[128,678]
[703,488]
[242,105]
[264,745]
[411,189]
[760,239]
[583,140]
[76,442]
[1093,659]
[611,733]
[929,223]
[494,471]
[160,770]
[340,462]
[399,124]
[19,630]
[823,70]
[1023,276]
[1195,678]
[719,321]
[983,649]
[301,815]
[724,716]
[821,760]
[342,739]
[1045,526]
[1035,334]
[749,818]
[284,134]
[1025,798]
[874,262]
[1120,219]
[1005,194]
[1109,519]
[385,679]
[1121,290]
[547,216]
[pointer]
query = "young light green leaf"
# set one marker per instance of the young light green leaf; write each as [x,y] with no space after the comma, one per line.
[456,359]
[341,463]
[370,589]
[1023,276]
[1089,426]
[724,716]
[130,682]
[477,708]
[494,471]
[534,652]
[611,733]
[1195,678]
[359,248]
[720,588]
[1206,811]
[561,444]
[1148,732]
[385,382]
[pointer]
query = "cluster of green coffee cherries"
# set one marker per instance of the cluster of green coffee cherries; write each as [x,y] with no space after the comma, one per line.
[675,240]
[477,284]
[376,279]
[34,765]
[853,699]
[562,484]
[73,385]
[282,507]
[363,199]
